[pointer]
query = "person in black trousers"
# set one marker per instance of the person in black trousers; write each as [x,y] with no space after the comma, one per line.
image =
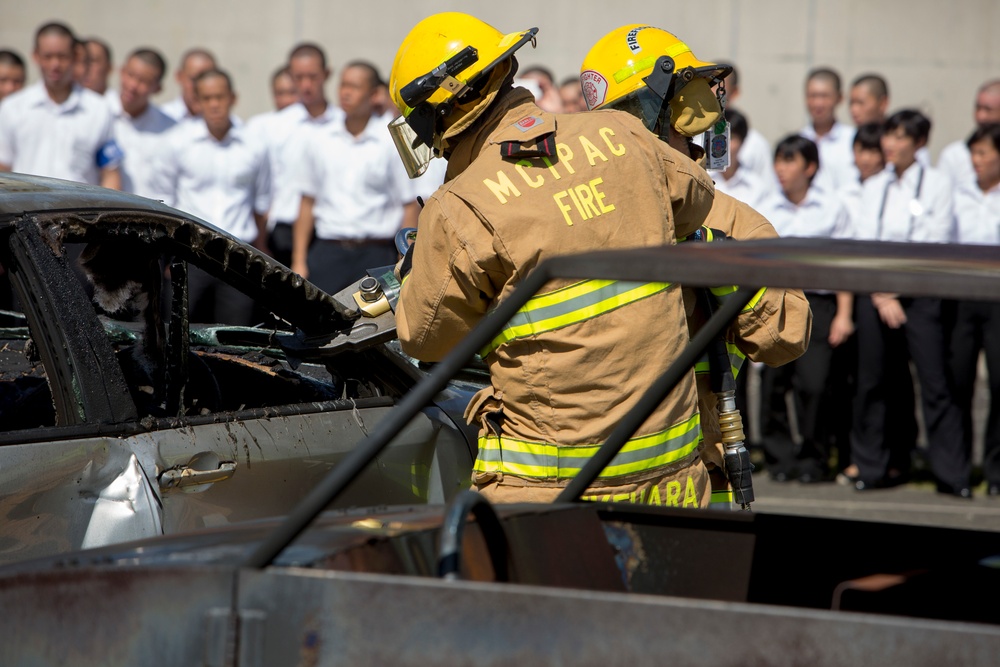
[976,325]
[908,202]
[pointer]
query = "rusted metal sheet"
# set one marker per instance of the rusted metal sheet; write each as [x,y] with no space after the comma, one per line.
[101,617]
[183,616]
[332,618]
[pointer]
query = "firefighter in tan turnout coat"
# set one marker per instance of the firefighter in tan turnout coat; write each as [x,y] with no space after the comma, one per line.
[775,326]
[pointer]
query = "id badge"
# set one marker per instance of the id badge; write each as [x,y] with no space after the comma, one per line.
[717,146]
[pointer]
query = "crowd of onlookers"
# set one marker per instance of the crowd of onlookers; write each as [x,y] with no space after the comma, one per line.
[317,183]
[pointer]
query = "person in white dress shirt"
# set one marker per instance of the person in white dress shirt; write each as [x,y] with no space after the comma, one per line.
[868,160]
[804,210]
[976,324]
[217,171]
[907,202]
[193,63]
[384,112]
[869,99]
[756,156]
[13,73]
[571,95]
[285,133]
[99,64]
[833,138]
[56,127]
[549,100]
[139,124]
[283,92]
[355,191]
[869,103]
[736,180]
[955,160]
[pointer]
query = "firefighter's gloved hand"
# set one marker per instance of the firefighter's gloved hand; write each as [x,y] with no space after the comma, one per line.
[706,234]
[404,265]
[405,240]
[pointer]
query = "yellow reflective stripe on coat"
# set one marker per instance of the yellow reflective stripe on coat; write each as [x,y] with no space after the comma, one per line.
[721,500]
[723,293]
[540,460]
[736,359]
[570,305]
[736,356]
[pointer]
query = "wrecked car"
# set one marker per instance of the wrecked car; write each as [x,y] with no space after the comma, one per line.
[120,419]
[566,583]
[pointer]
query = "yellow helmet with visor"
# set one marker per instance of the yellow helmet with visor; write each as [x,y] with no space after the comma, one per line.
[446,72]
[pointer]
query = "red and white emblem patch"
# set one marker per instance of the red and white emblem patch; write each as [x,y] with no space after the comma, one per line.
[527,123]
[595,88]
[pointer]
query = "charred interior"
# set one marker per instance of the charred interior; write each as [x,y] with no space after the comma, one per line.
[131,271]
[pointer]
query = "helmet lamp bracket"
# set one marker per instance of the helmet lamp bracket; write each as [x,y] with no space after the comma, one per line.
[443,76]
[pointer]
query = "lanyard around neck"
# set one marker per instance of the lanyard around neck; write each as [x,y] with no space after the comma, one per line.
[916,197]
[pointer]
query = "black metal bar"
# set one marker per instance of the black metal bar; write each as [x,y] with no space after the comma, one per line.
[449,560]
[341,476]
[650,400]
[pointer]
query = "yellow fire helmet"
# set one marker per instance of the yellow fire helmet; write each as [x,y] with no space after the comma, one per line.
[648,72]
[447,71]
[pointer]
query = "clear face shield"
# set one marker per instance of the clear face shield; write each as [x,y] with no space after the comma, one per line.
[414,153]
[645,105]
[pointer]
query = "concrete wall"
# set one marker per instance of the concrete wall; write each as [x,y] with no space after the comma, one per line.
[934,54]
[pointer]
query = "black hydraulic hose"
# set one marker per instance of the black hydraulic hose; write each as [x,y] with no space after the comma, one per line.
[413,402]
[449,562]
[650,400]
[719,368]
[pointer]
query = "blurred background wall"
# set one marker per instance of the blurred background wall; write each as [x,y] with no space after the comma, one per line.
[934,54]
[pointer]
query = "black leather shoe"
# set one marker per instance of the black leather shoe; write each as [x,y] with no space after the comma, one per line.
[864,485]
[962,492]
[811,471]
[846,480]
[782,476]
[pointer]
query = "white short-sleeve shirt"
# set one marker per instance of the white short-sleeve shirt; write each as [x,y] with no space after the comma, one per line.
[177,109]
[977,215]
[141,140]
[955,162]
[917,207]
[428,182]
[850,195]
[757,157]
[359,183]
[836,156]
[819,215]
[72,140]
[745,186]
[285,135]
[222,182]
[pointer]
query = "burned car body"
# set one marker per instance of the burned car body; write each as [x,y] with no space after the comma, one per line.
[120,419]
[567,583]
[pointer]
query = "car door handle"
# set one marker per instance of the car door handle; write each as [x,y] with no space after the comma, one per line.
[185,476]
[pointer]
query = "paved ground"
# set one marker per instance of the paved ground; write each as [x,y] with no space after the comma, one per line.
[916,503]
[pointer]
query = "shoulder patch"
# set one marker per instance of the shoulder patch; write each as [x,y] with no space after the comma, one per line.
[543,146]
